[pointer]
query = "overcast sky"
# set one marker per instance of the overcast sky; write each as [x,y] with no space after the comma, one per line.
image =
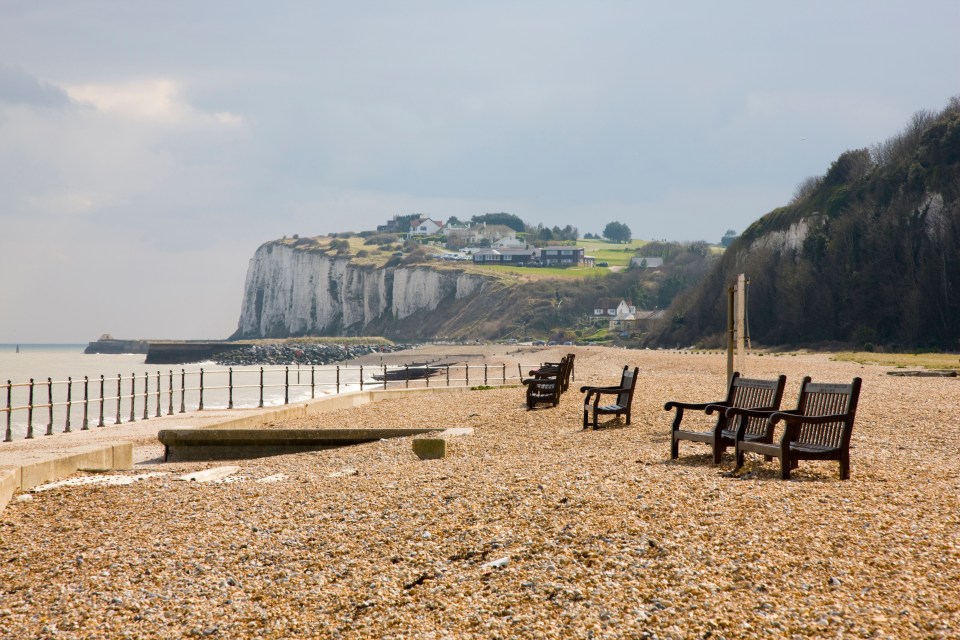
[148,148]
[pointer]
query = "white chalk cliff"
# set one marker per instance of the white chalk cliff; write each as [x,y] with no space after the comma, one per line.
[291,292]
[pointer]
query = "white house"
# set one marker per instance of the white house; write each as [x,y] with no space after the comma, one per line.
[625,316]
[424,227]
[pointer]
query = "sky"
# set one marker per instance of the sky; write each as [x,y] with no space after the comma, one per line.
[148,148]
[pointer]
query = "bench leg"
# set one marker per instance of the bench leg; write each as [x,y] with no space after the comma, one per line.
[586,423]
[844,467]
[785,465]
[717,453]
[674,448]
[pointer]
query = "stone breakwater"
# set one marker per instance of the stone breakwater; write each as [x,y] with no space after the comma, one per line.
[302,354]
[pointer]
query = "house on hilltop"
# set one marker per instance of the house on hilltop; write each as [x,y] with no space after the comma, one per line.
[424,227]
[505,256]
[561,256]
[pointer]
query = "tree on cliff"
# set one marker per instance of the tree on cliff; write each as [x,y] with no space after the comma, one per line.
[506,219]
[617,232]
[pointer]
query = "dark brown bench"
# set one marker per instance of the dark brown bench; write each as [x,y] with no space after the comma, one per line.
[545,383]
[818,429]
[621,404]
[746,393]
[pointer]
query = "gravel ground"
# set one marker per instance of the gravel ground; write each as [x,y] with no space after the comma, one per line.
[530,527]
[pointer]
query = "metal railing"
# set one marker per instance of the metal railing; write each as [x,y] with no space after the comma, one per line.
[99,401]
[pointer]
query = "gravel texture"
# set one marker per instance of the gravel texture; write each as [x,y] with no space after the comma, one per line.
[530,527]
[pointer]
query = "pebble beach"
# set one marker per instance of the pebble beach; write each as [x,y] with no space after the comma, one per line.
[530,527]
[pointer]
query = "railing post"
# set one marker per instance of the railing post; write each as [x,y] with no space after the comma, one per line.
[261,386]
[466,373]
[406,375]
[66,426]
[448,375]
[159,410]
[50,406]
[504,373]
[426,375]
[8,437]
[361,377]
[200,408]
[286,385]
[30,412]
[103,383]
[183,390]
[119,393]
[384,375]
[313,387]
[133,397]
[146,395]
[484,374]
[230,385]
[338,379]
[170,395]
[86,403]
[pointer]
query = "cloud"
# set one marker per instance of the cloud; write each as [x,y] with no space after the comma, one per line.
[153,99]
[19,87]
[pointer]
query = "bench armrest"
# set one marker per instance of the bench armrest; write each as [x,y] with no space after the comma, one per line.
[692,406]
[593,389]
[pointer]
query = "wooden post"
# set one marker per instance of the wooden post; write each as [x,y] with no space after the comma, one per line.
[730,336]
[50,406]
[119,394]
[66,426]
[741,320]
[30,412]
[103,382]
[183,390]
[8,437]
[146,395]
[133,397]
[86,403]
[230,385]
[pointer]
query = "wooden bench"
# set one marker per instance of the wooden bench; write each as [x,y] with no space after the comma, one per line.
[545,383]
[621,404]
[744,393]
[818,429]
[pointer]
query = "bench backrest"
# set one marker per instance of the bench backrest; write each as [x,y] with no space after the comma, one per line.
[628,382]
[749,393]
[822,399]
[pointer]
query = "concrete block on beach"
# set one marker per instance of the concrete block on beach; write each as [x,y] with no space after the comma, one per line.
[234,444]
[430,448]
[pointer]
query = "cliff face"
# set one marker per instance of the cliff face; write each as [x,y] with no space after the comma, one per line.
[291,292]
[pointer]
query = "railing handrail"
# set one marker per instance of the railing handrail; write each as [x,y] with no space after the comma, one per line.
[128,392]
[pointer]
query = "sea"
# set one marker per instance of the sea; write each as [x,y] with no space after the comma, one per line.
[66,374]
